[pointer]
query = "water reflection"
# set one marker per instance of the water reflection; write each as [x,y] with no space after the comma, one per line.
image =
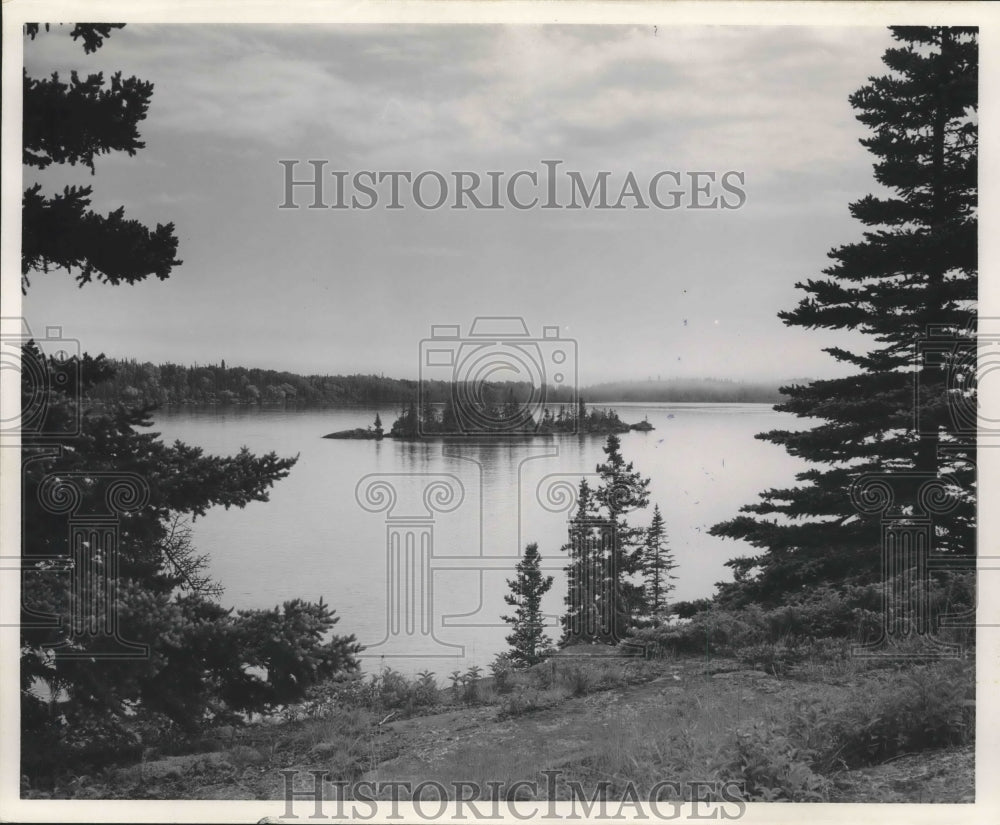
[445,570]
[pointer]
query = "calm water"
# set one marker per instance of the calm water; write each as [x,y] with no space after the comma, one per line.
[350,510]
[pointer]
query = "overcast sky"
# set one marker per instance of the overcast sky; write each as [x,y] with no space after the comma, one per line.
[654,292]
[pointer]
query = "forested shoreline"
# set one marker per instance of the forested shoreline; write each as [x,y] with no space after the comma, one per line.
[145,383]
[836,646]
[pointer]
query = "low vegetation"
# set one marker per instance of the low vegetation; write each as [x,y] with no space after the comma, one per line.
[792,735]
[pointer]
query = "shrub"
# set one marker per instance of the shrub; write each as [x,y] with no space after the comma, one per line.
[544,675]
[774,657]
[853,612]
[88,738]
[391,691]
[424,690]
[825,612]
[383,691]
[330,696]
[243,755]
[685,610]
[471,684]
[527,699]
[709,631]
[774,767]
[930,706]
[501,668]
[577,679]
[522,700]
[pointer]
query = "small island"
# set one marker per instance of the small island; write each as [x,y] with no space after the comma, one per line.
[465,418]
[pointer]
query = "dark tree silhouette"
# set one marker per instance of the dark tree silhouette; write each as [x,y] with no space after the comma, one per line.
[74,122]
[120,630]
[622,491]
[202,661]
[528,639]
[658,564]
[585,573]
[911,285]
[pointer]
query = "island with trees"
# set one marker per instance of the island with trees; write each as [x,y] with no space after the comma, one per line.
[459,417]
[819,673]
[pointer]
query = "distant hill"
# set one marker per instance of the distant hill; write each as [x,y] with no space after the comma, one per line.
[173,385]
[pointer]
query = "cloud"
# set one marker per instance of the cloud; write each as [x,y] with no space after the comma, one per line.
[769,98]
[761,96]
[231,100]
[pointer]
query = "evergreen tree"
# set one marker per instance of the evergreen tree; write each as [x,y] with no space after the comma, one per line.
[622,491]
[910,285]
[585,573]
[449,417]
[528,640]
[511,410]
[428,415]
[135,642]
[74,123]
[378,426]
[658,564]
[202,661]
[407,425]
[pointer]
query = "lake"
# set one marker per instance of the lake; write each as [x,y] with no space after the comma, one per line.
[412,542]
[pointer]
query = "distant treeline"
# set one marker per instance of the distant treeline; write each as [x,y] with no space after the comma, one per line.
[138,383]
[722,390]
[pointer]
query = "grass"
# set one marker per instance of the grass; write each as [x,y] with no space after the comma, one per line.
[784,736]
[785,745]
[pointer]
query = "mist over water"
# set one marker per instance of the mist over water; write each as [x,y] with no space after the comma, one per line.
[314,538]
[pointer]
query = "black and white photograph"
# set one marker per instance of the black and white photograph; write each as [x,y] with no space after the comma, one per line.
[498,412]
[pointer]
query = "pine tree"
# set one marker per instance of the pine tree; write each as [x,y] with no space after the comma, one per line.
[74,123]
[407,425]
[378,426]
[145,576]
[528,639]
[428,415]
[449,417]
[911,285]
[585,573]
[622,491]
[658,564]
[511,410]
